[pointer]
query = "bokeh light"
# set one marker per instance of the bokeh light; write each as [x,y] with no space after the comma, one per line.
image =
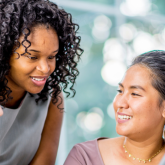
[135,7]
[143,42]
[97,110]
[101,28]
[127,31]
[113,71]
[113,50]
[80,119]
[92,120]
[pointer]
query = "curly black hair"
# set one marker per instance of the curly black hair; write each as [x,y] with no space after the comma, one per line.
[18,17]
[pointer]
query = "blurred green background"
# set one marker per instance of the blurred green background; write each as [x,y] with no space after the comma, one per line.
[113,32]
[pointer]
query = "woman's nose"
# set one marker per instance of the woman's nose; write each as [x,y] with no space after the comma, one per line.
[43,66]
[121,102]
[1,111]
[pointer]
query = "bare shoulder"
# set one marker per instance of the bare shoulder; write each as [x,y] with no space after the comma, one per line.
[60,103]
[50,135]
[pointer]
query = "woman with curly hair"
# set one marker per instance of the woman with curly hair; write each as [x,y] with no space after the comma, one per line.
[39,51]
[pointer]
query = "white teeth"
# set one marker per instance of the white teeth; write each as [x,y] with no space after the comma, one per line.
[38,79]
[124,117]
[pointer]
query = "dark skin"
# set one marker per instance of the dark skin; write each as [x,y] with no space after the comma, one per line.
[47,151]
[41,63]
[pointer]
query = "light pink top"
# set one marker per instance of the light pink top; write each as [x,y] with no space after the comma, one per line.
[86,153]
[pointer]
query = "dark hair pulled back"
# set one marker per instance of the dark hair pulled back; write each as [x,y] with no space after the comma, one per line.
[18,17]
[155,62]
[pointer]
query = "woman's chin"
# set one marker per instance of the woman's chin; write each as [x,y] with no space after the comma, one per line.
[36,91]
[122,132]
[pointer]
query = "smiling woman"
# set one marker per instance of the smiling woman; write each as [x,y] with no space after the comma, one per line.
[31,71]
[39,52]
[140,118]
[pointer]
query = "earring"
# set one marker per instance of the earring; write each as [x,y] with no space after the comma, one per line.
[164,132]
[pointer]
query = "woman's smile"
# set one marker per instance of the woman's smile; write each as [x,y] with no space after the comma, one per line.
[122,118]
[39,80]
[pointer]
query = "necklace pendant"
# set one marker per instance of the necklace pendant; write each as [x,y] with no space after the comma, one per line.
[130,155]
[134,158]
[149,160]
[144,161]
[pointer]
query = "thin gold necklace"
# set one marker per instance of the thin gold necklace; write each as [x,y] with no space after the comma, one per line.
[143,160]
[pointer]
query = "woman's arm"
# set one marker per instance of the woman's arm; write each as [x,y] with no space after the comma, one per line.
[47,151]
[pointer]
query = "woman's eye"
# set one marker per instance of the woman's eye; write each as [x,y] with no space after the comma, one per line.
[135,94]
[119,91]
[31,57]
[52,57]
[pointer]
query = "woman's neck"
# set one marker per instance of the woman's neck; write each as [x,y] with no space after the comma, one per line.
[15,101]
[143,149]
[17,95]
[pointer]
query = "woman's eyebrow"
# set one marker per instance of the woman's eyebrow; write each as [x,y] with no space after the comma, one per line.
[56,51]
[137,87]
[120,84]
[133,87]
[33,50]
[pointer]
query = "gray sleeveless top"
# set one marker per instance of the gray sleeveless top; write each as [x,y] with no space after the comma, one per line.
[20,131]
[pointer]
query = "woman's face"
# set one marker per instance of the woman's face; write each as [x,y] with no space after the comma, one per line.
[136,105]
[30,72]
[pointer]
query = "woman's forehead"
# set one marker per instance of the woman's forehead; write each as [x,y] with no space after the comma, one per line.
[137,75]
[41,39]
